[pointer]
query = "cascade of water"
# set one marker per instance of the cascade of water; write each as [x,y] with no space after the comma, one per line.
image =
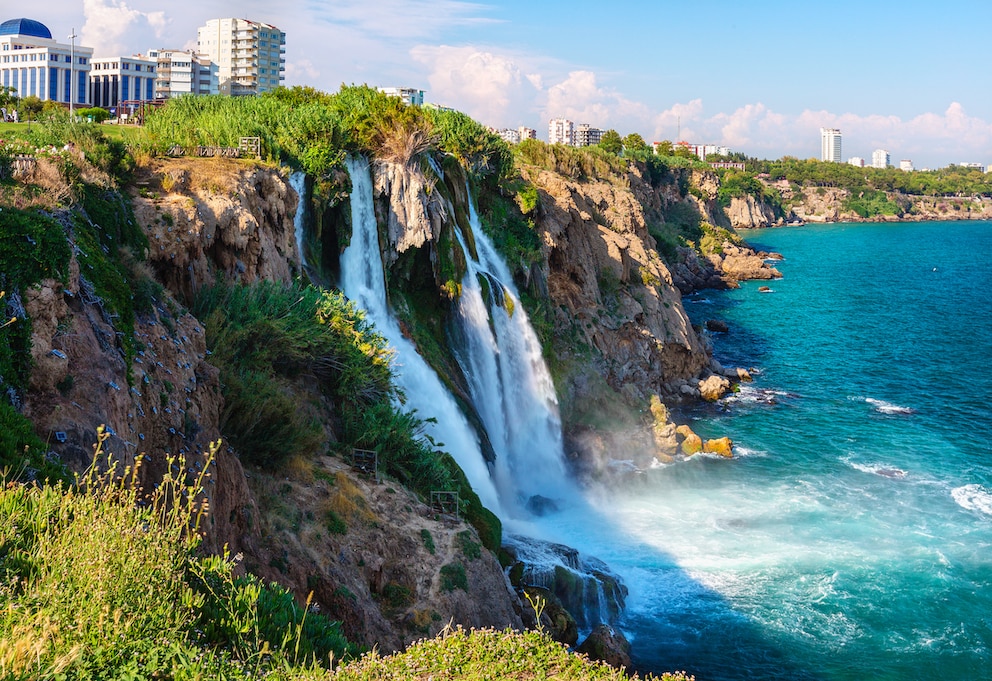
[509,383]
[362,280]
[298,181]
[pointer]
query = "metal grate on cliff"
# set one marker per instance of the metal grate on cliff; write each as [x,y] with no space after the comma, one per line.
[445,503]
[366,462]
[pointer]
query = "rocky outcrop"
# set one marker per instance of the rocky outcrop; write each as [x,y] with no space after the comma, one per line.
[206,217]
[740,263]
[609,288]
[748,213]
[608,645]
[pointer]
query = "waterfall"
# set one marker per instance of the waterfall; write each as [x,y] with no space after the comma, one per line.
[362,280]
[298,181]
[509,383]
[511,391]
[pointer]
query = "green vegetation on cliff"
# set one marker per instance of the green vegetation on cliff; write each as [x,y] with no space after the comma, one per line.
[100,581]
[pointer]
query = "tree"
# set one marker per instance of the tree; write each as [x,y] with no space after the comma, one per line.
[611,142]
[665,148]
[634,143]
[8,96]
[30,107]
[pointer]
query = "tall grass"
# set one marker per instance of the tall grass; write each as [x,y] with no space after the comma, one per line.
[101,581]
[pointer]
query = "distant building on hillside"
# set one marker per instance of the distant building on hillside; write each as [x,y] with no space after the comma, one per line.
[701,151]
[830,145]
[35,64]
[906,165]
[250,56]
[735,165]
[856,161]
[880,159]
[184,72]
[975,166]
[561,131]
[585,135]
[508,135]
[527,133]
[409,95]
[116,81]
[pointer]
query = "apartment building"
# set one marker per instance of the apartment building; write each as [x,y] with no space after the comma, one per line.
[561,131]
[409,95]
[830,145]
[880,159]
[585,135]
[184,72]
[250,55]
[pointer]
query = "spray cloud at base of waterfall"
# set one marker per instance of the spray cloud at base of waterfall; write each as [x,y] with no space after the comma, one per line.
[363,281]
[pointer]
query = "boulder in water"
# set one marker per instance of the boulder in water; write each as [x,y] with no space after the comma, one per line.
[608,645]
[717,325]
[691,443]
[713,388]
[721,446]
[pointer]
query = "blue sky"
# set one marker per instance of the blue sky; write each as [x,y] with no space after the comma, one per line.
[759,76]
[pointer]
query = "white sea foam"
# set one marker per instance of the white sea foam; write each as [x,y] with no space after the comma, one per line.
[741,451]
[973,498]
[879,469]
[883,407]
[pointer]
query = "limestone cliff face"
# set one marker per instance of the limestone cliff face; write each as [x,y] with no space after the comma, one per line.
[380,571]
[749,213]
[609,287]
[206,217]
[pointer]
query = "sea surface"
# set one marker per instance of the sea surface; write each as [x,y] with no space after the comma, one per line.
[851,535]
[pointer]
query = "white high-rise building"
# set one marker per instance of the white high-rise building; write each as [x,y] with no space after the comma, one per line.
[250,56]
[527,133]
[856,161]
[561,131]
[880,159]
[906,165]
[34,63]
[830,145]
[184,72]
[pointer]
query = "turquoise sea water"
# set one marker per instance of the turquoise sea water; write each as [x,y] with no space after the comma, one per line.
[851,538]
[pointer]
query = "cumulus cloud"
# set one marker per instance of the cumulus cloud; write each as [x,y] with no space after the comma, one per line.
[580,97]
[490,87]
[112,24]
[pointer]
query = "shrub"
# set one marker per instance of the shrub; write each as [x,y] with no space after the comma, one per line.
[453,577]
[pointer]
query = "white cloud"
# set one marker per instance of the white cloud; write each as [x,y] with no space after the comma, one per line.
[301,71]
[111,25]
[489,87]
[581,98]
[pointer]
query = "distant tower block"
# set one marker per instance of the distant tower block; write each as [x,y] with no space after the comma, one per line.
[830,145]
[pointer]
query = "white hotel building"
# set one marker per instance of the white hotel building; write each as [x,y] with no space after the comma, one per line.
[34,63]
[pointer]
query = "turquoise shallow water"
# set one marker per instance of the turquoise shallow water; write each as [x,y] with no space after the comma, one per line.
[852,536]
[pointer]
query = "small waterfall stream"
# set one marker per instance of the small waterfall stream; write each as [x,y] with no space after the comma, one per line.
[298,181]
